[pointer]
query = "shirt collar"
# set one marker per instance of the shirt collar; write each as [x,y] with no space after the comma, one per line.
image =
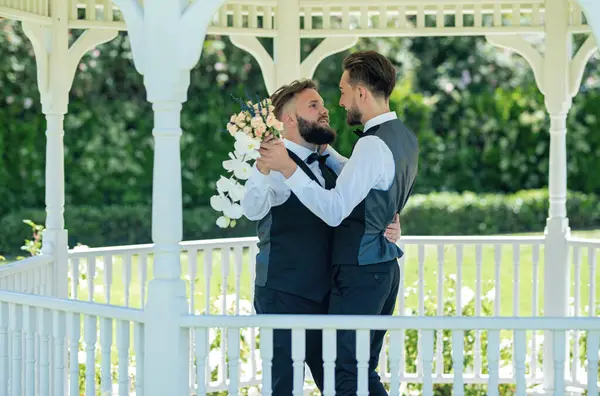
[380,119]
[301,151]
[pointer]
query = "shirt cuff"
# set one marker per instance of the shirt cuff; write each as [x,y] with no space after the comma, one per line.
[258,177]
[298,180]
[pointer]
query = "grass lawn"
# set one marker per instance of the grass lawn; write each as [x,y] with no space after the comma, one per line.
[411,276]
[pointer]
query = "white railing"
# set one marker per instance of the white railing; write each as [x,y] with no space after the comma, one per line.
[232,329]
[482,276]
[444,277]
[225,267]
[221,272]
[119,275]
[33,328]
[584,253]
[31,275]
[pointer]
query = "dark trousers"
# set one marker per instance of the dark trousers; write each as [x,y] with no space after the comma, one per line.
[269,301]
[362,290]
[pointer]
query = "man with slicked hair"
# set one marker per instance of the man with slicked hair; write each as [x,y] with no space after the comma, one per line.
[293,265]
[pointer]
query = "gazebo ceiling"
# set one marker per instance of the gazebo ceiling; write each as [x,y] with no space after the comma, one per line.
[329,18]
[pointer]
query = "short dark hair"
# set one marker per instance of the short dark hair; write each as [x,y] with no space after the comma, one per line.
[373,70]
[287,92]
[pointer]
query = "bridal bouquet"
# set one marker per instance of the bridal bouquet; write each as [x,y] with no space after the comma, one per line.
[249,127]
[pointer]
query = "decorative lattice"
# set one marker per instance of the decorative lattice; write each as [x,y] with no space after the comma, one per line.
[35,7]
[323,18]
[258,17]
[95,12]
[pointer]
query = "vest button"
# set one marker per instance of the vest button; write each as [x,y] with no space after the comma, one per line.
[376,276]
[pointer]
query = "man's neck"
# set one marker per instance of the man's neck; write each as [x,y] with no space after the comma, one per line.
[295,138]
[369,115]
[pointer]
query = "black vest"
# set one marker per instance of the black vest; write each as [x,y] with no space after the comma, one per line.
[359,239]
[295,246]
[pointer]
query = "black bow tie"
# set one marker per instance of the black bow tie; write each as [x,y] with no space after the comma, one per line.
[316,157]
[358,132]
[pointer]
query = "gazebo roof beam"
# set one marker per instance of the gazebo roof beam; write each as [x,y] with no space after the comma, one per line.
[335,18]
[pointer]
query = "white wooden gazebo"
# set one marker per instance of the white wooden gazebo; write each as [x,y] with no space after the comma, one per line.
[40,309]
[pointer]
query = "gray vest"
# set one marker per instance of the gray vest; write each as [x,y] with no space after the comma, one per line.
[359,239]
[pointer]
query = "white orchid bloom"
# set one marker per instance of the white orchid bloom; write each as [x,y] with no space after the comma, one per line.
[223,222]
[245,144]
[224,185]
[234,163]
[219,202]
[237,192]
[234,211]
[242,170]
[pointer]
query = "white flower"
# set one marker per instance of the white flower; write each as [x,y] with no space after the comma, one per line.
[466,295]
[237,192]
[214,359]
[233,163]
[254,391]
[490,295]
[233,211]
[219,202]
[245,144]
[224,185]
[242,170]
[223,222]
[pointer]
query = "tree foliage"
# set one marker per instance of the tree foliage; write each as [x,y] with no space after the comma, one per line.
[479,117]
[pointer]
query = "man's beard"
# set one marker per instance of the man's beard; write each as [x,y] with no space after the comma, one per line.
[353,117]
[315,133]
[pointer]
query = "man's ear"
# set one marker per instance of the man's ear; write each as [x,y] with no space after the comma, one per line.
[288,119]
[362,92]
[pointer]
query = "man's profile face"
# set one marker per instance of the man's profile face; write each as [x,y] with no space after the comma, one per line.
[348,101]
[313,118]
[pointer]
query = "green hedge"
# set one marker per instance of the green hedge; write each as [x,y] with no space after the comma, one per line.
[433,214]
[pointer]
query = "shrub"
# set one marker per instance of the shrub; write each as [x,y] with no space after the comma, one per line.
[432,214]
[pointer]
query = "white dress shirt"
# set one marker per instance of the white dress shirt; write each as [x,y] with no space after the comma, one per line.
[371,166]
[266,191]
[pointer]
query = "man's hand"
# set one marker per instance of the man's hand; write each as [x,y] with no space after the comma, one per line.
[262,167]
[260,164]
[274,156]
[393,231]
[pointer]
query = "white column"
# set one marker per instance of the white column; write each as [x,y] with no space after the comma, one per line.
[56,65]
[558,103]
[166,39]
[558,76]
[287,42]
[591,8]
